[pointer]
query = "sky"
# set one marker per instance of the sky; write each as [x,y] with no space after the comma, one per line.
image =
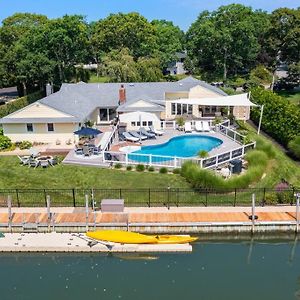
[181,12]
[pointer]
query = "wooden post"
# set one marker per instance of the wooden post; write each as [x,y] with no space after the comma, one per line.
[48,201]
[253,212]
[297,211]
[87,211]
[9,203]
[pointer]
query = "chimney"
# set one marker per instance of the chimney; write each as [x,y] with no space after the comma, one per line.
[49,89]
[122,95]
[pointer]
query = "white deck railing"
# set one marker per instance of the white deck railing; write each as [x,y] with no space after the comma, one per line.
[230,133]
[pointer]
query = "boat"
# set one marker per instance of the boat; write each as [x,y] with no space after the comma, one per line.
[125,237]
[122,237]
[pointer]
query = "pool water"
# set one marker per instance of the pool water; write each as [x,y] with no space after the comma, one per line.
[232,270]
[180,146]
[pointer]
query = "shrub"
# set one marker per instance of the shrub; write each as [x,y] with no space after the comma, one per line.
[129,168]
[140,168]
[25,145]
[203,153]
[265,147]
[203,178]
[151,169]
[5,142]
[280,119]
[163,170]
[176,171]
[294,146]
[118,166]
[19,103]
[1,131]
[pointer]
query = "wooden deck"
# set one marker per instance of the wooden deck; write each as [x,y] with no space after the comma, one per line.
[146,218]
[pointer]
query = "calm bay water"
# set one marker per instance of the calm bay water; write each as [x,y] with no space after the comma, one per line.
[223,270]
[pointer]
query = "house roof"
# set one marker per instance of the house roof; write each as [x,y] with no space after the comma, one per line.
[141,104]
[37,120]
[81,99]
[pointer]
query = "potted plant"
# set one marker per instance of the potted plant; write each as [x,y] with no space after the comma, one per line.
[180,123]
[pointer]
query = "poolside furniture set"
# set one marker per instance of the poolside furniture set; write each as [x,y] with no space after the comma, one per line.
[200,126]
[142,134]
[88,150]
[37,161]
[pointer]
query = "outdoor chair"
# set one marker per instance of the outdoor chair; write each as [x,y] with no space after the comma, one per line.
[33,163]
[198,126]
[138,135]
[205,126]
[129,137]
[44,163]
[187,127]
[86,151]
[79,151]
[53,161]
[147,134]
[155,131]
[23,160]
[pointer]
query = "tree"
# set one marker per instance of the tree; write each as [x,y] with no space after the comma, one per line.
[149,69]
[170,39]
[119,31]
[226,41]
[282,41]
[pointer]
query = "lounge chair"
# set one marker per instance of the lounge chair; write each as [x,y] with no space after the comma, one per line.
[129,137]
[156,132]
[147,134]
[24,160]
[138,135]
[205,126]
[33,163]
[198,126]
[187,127]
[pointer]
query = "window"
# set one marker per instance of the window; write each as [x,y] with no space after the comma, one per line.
[133,124]
[179,112]
[173,111]
[190,109]
[50,127]
[29,127]
[144,123]
[150,123]
[184,109]
[138,123]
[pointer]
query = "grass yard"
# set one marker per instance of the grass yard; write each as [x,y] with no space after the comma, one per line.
[293,96]
[13,175]
[99,79]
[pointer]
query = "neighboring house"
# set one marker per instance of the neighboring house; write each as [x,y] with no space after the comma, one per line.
[176,67]
[8,94]
[55,117]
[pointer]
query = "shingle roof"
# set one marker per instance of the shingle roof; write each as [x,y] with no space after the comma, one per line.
[81,99]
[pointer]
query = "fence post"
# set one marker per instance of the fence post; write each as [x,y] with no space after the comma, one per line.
[45,197]
[74,198]
[206,197]
[9,203]
[120,194]
[18,200]
[87,211]
[264,197]
[175,162]
[150,159]
[126,159]
[149,198]
[234,203]
[297,211]
[292,198]
[168,204]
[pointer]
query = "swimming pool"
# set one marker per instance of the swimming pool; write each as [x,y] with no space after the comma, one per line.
[179,146]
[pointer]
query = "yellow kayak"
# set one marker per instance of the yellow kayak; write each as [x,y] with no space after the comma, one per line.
[122,237]
[175,239]
[125,237]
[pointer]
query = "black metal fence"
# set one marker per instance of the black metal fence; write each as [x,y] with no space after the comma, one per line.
[148,197]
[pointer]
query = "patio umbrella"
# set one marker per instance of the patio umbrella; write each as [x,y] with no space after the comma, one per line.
[87,131]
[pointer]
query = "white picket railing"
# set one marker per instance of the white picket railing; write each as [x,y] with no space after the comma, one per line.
[230,133]
[173,161]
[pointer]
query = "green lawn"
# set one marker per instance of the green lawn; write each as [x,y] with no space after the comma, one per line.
[13,175]
[99,79]
[292,96]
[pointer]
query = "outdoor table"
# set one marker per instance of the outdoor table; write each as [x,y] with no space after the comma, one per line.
[44,158]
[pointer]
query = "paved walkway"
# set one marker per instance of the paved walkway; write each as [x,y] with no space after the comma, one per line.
[159,215]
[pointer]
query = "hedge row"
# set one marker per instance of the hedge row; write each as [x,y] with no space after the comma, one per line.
[281,119]
[257,163]
[19,103]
